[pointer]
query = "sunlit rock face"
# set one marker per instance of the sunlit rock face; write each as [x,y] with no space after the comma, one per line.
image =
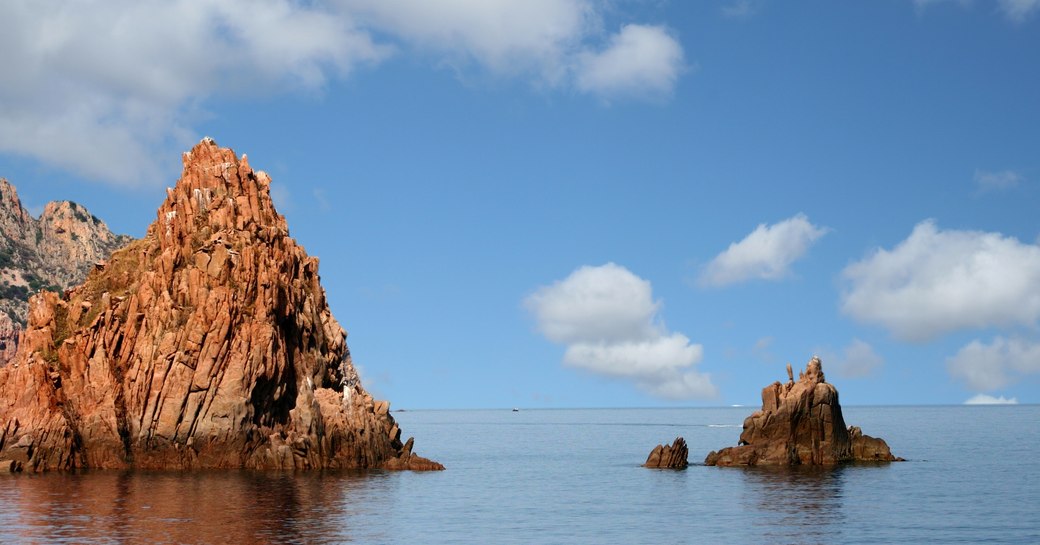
[800,423]
[55,251]
[206,344]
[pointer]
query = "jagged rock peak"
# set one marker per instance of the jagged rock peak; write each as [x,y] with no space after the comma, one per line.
[208,343]
[12,213]
[801,423]
[217,191]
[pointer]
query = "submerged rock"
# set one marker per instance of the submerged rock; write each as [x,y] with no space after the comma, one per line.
[800,423]
[669,457]
[206,344]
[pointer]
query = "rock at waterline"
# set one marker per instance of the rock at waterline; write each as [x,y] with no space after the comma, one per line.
[207,344]
[668,457]
[800,423]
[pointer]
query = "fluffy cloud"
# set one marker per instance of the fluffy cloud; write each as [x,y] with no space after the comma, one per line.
[935,282]
[983,399]
[102,88]
[97,87]
[767,253]
[640,60]
[995,181]
[608,319]
[987,367]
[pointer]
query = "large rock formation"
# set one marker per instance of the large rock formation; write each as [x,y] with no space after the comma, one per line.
[53,252]
[800,423]
[669,457]
[206,344]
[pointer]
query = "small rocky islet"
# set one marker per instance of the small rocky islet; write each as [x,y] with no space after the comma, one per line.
[207,344]
[800,424]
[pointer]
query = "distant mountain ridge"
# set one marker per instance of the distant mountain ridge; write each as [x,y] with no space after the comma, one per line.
[54,251]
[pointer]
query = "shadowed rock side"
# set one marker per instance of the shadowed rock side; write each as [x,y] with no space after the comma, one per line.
[206,344]
[669,457]
[801,423]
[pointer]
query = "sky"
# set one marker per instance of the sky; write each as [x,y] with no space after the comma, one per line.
[588,203]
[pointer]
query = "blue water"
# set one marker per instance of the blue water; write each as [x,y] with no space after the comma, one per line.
[573,476]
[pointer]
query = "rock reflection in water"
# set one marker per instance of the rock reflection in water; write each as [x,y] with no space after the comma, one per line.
[207,507]
[796,504]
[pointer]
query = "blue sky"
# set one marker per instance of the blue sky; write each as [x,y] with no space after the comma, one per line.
[572,203]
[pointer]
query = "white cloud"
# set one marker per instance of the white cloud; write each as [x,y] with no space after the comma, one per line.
[859,360]
[987,367]
[739,9]
[983,399]
[640,60]
[99,87]
[553,40]
[935,282]
[1018,10]
[767,253]
[609,321]
[506,36]
[995,181]
[104,88]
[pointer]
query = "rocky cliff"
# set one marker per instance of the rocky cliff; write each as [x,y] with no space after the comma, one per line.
[54,251]
[800,423]
[206,344]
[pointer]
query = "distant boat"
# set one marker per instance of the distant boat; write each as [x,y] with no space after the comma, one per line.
[515,410]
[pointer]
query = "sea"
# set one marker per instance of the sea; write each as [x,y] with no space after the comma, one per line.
[573,476]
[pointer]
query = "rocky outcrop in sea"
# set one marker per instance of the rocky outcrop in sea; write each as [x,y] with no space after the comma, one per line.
[800,423]
[674,456]
[206,344]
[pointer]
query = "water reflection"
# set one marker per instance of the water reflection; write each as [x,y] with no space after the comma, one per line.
[796,505]
[206,507]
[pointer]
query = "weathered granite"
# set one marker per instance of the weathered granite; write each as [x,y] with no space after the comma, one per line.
[55,251]
[206,344]
[801,423]
[669,457]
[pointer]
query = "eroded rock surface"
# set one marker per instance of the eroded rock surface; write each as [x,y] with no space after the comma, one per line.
[669,457]
[55,251]
[801,423]
[206,344]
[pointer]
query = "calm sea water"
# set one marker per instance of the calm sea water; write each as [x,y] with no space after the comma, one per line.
[573,476]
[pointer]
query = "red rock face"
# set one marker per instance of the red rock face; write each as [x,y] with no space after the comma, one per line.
[207,344]
[800,424]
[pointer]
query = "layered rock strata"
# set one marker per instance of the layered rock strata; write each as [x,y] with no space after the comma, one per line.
[206,344]
[674,456]
[800,423]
